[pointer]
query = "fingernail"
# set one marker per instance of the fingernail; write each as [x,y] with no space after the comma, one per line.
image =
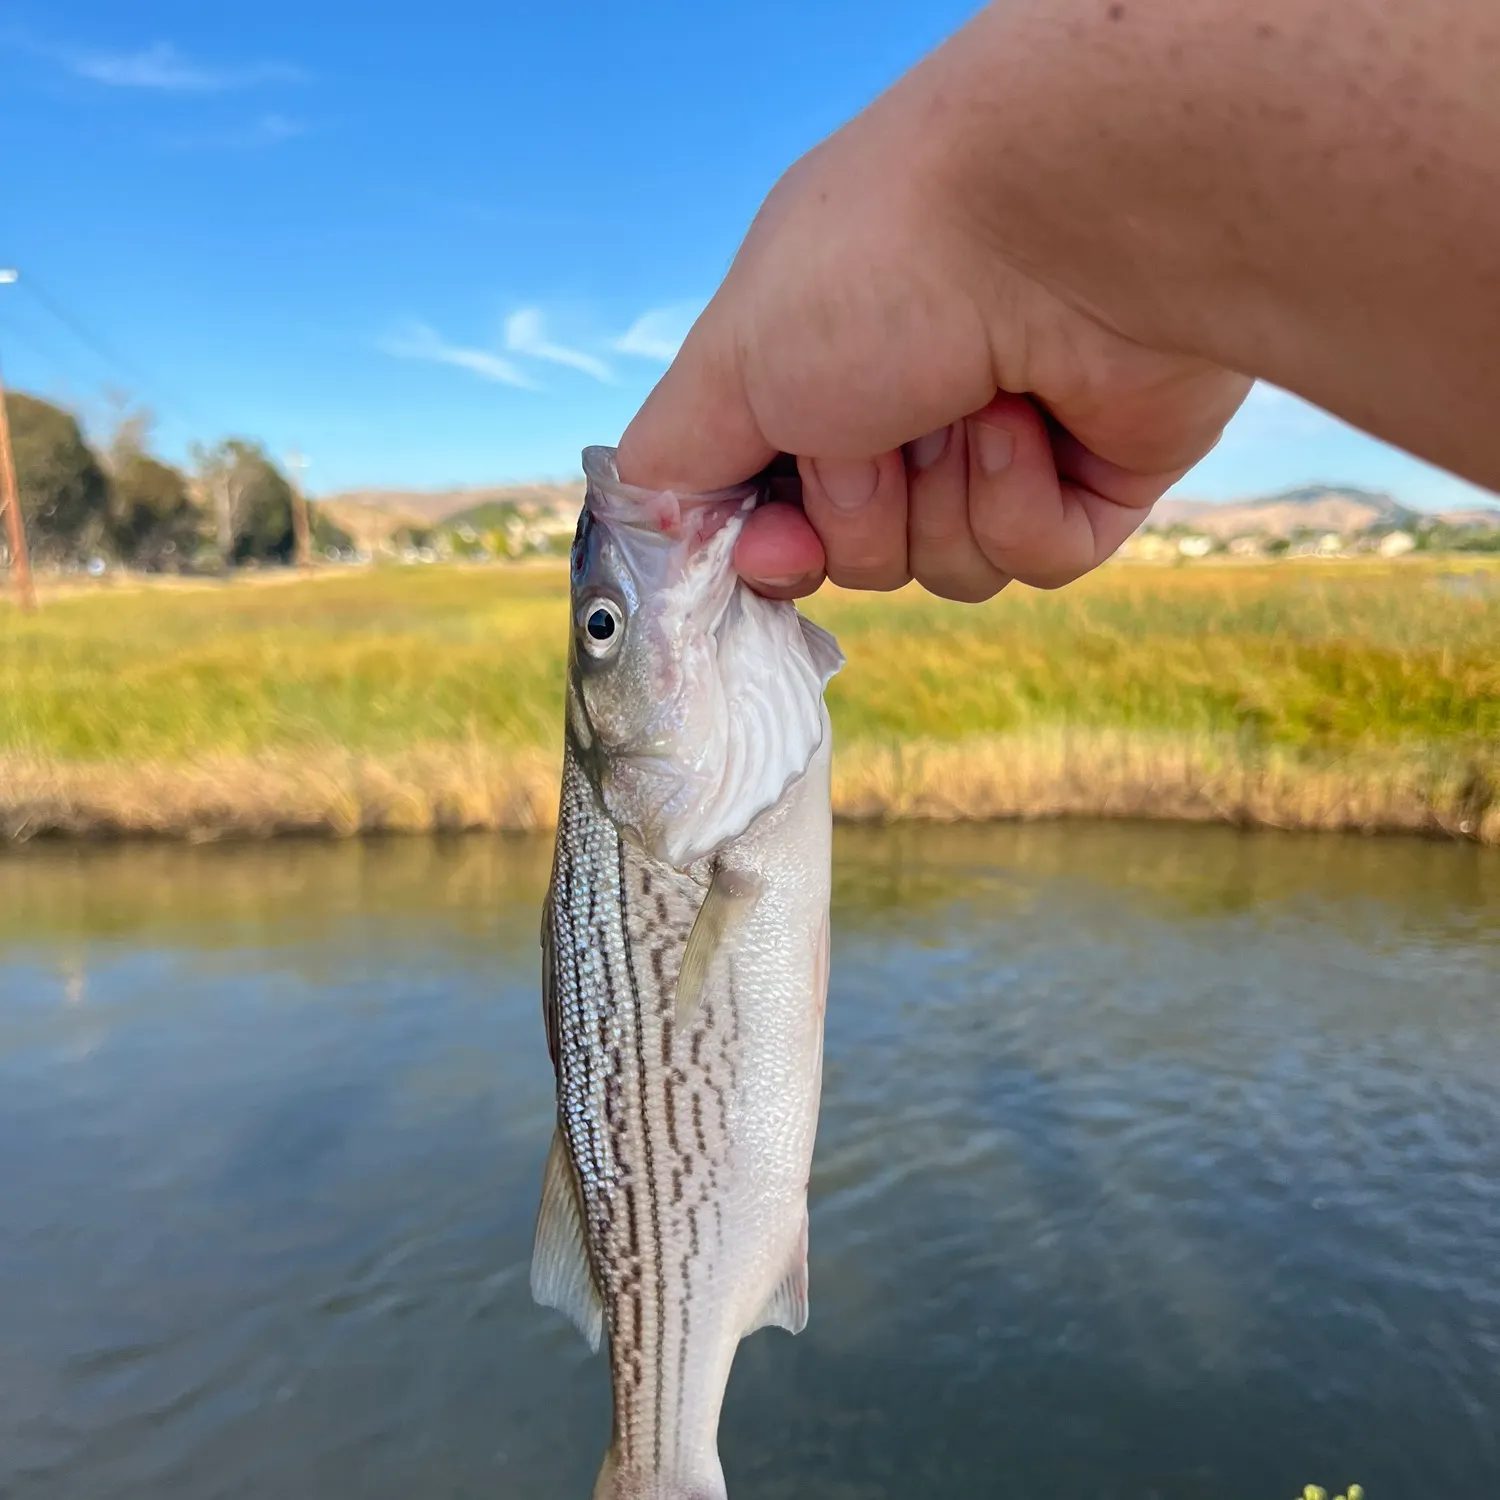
[790,580]
[930,447]
[995,447]
[849,483]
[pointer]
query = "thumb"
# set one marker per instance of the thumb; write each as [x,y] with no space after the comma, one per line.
[696,430]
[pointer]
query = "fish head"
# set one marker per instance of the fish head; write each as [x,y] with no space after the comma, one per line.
[693,702]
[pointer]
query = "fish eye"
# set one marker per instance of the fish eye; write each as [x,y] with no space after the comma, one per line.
[603,625]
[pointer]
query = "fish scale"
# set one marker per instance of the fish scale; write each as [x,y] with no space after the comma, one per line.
[684,1006]
[644,1111]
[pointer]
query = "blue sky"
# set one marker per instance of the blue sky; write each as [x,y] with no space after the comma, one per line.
[445,244]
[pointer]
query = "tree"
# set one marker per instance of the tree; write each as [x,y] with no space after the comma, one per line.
[327,534]
[131,425]
[250,500]
[153,523]
[64,491]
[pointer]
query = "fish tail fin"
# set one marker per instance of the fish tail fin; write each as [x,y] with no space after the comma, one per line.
[616,1482]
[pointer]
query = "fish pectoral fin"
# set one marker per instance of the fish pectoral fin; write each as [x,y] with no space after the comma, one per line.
[824,650]
[731,895]
[787,1305]
[560,1273]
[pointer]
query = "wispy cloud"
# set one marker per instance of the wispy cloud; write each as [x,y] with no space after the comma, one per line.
[266,131]
[526,333]
[658,333]
[162,68]
[269,130]
[418,341]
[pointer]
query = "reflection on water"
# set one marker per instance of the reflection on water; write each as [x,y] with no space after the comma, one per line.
[1154,1162]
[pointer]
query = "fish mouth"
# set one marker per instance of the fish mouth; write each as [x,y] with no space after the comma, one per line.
[674,516]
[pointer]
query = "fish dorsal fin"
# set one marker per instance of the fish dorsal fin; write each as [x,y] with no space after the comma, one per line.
[787,1305]
[560,1273]
[731,895]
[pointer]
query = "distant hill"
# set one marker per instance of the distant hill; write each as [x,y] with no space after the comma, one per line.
[1470,520]
[1337,508]
[373,516]
[432,506]
[370,516]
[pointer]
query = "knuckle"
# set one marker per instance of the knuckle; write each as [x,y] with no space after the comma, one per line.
[938,533]
[1050,573]
[962,590]
[881,578]
[1039,552]
[997,526]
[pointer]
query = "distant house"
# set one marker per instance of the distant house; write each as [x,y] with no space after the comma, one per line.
[1148,546]
[1247,546]
[1195,546]
[1396,543]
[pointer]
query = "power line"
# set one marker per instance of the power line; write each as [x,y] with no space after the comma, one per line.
[106,351]
[17,332]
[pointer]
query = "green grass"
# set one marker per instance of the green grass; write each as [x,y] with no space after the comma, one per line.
[1379,665]
[1317,657]
[373,661]
[1327,657]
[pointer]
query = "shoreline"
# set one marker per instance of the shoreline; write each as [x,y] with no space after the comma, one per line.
[1423,789]
[1353,697]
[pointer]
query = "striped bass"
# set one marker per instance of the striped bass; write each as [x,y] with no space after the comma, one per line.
[685,961]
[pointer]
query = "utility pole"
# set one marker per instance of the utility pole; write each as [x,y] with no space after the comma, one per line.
[220,483]
[301,529]
[10,499]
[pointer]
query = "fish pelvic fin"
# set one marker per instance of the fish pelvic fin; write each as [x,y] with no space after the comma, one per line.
[561,1276]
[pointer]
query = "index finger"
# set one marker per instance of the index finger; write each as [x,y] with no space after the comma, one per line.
[696,431]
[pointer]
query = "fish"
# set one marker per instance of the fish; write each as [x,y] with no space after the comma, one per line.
[685,965]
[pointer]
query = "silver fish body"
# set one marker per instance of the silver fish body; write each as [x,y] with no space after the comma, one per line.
[685,966]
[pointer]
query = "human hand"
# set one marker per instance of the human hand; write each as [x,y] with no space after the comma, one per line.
[956,419]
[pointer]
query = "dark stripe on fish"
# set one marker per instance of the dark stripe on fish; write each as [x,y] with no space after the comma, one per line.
[643,1083]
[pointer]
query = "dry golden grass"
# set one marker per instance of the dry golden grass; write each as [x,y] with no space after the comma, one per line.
[1117,774]
[1349,695]
[1040,774]
[436,788]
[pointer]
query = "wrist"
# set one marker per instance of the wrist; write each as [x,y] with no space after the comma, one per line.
[1086,144]
[1302,190]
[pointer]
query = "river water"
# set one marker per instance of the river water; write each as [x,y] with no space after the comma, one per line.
[1155,1162]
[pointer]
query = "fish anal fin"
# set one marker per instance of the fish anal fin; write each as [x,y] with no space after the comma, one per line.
[560,1272]
[787,1305]
[731,895]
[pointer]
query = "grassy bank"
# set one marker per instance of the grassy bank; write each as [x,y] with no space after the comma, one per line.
[1317,695]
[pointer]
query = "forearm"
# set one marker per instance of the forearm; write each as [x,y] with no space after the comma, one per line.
[1304,190]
